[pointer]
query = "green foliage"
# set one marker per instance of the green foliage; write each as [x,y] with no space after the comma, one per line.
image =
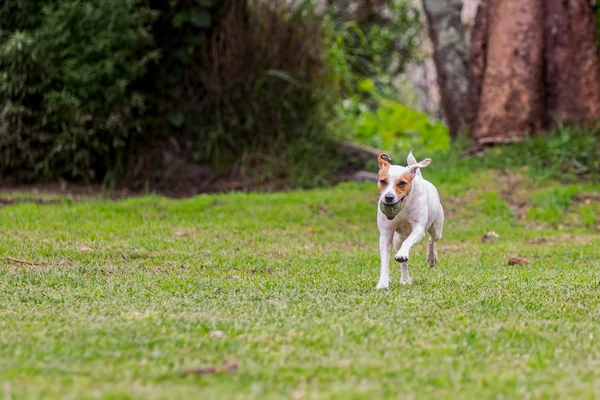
[82,97]
[396,127]
[259,112]
[21,15]
[364,62]
[378,47]
[68,105]
[23,70]
[179,32]
[391,125]
[567,154]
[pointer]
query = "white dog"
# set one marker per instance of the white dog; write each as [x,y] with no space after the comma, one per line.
[408,206]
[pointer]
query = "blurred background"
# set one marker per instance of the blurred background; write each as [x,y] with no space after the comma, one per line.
[194,96]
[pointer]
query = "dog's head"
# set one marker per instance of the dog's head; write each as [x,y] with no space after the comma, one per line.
[395,181]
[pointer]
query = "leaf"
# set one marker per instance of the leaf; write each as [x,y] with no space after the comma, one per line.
[200,19]
[177,119]
[179,19]
[283,76]
[366,85]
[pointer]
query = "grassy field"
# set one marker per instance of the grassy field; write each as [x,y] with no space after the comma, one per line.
[120,299]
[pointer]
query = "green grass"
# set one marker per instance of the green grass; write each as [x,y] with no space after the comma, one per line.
[124,296]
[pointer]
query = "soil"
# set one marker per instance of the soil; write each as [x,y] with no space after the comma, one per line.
[181,183]
[164,170]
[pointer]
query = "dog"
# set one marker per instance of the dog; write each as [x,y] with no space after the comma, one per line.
[413,206]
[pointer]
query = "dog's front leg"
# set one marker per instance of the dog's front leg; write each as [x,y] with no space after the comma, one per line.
[418,232]
[385,252]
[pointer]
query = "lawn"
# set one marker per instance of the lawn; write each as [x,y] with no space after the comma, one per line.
[273,296]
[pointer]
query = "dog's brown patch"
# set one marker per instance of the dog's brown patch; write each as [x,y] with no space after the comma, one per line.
[384,167]
[384,179]
[384,160]
[403,185]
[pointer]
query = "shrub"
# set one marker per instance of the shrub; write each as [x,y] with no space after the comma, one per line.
[392,126]
[563,153]
[232,95]
[250,83]
[68,107]
[378,45]
[243,90]
[366,57]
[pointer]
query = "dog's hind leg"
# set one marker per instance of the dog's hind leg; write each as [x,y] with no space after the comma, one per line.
[432,257]
[397,241]
[435,234]
[404,277]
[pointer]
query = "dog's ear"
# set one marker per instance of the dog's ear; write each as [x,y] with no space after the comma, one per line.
[415,167]
[384,160]
[411,160]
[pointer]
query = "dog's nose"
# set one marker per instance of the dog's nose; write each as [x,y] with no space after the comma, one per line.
[389,198]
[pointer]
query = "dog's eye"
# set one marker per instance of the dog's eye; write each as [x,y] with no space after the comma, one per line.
[383,182]
[402,184]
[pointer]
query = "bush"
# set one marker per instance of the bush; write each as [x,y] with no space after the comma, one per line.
[78,84]
[81,96]
[366,59]
[378,46]
[253,93]
[394,127]
[232,95]
[68,107]
[386,124]
[564,154]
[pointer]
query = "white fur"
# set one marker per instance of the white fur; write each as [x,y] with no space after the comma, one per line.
[421,211]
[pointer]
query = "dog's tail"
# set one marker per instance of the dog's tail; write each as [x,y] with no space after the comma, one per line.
[411,160]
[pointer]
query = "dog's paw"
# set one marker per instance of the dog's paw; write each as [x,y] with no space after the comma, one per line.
[432,261]
[405,281]
[401,257]
[432,258]
[383,285]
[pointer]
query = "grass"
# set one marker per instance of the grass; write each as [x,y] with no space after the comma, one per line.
[123,297]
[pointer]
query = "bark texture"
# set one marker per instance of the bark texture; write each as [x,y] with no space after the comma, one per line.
[571,72]
[450,55]
[532,63]
[477,63]
[511,96]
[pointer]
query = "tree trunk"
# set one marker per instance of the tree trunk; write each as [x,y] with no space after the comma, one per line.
[450,56]
[511,102]
[571,72]
[477,63]
[532,63]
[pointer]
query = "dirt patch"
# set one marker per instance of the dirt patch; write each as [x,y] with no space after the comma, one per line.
[515,192]
[569,239]
[228,366]
[587,198]
[454,204]
[6,202]
[165,170]
[179,184]
[185,232]
[50,193]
